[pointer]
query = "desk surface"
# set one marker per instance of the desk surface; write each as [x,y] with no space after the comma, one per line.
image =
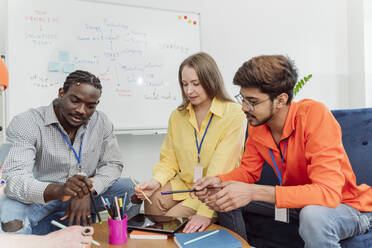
[101,235]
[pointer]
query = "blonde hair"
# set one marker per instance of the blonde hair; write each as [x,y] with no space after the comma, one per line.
[209,76]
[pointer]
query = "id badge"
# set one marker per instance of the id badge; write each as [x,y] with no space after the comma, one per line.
[198,172]
[282,214]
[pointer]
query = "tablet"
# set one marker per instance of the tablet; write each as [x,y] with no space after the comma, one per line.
[155,223]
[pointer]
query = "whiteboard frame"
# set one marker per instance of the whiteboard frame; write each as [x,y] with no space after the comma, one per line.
[142,131]
[138,6]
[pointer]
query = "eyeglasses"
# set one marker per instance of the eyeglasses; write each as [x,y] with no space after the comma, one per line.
[250,105]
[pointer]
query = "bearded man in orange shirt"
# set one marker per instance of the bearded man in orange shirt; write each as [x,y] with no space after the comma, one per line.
[302,142]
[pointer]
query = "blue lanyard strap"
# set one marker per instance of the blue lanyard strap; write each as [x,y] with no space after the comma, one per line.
[78,157]
[279,173]
[201,142]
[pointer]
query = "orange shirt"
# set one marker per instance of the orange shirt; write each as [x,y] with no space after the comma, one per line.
[317,170]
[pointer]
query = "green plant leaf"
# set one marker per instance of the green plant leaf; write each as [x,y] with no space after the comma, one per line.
[300,84]
[308,77]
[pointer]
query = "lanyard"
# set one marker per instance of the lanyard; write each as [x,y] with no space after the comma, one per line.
[279,173]
[201,142]
[78,157]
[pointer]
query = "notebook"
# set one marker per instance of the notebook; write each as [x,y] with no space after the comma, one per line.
[135,234]
[221,239]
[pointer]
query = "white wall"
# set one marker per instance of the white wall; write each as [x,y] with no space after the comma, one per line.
[368,51]
[356,53]
[313,33]
[317,34]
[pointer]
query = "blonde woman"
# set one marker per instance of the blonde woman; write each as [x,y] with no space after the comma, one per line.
[205,137]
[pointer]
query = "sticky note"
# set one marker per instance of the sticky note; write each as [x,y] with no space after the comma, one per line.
[63,56]
[53,66]
[68,68]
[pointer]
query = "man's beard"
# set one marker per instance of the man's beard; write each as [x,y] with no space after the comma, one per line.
[264,121]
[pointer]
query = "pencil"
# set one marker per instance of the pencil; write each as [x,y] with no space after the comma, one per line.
[178,191]
[201,237]
[117,207]
[143,193]
[57,224]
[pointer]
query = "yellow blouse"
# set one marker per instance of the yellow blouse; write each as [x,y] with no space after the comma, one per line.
[221,150]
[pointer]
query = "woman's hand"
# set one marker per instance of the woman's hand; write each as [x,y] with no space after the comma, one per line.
[197,223]
[70,237]
[147,187]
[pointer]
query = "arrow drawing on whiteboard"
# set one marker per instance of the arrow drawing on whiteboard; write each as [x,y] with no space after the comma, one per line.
[117,77]
[153,96]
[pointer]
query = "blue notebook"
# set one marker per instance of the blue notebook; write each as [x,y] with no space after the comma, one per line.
[221,239]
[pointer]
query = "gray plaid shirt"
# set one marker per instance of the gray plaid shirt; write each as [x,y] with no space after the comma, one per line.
[41,156]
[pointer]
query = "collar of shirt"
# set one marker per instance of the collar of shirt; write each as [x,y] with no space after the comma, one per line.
[217,108]
[262,133]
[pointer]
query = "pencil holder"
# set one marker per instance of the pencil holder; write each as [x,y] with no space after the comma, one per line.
[117,231]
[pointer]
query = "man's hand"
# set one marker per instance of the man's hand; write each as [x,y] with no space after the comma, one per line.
[76,186]
[70,237]
[147,187]
[79,210]
[206,187]
[197,223]
[233,195]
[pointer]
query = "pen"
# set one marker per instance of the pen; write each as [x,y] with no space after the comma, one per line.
[201,237]
[95,207]
[143,193]
[57,224]
[125,198]
[178,191]
[108,203]
[105,205]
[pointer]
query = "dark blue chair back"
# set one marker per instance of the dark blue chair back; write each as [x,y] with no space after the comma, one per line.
[356,125]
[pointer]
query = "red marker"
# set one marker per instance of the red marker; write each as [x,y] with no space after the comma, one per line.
[194,22]
[185,17]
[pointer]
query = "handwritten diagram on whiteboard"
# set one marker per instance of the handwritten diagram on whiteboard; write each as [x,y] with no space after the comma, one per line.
[134,51]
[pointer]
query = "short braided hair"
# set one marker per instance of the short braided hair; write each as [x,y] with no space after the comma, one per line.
[83,77]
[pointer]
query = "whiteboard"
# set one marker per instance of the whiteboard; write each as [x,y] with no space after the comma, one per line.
[135,52]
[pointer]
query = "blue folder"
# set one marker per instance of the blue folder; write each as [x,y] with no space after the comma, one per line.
[221,239]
